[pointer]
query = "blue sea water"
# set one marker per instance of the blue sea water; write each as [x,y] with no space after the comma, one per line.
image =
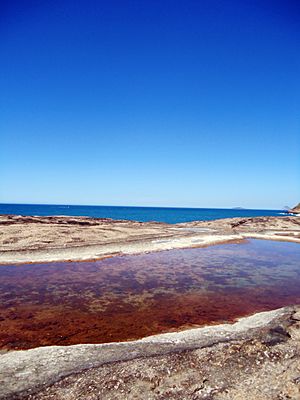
[144,214]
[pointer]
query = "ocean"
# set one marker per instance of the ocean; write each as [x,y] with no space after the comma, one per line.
[143,214]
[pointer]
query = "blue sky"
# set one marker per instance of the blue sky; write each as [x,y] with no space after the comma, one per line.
[167,103]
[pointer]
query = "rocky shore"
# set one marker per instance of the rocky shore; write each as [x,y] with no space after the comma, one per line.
[256,358]
[43,239]
[296,209]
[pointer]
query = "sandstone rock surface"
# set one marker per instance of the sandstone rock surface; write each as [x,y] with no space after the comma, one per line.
[26,239]
[257,358]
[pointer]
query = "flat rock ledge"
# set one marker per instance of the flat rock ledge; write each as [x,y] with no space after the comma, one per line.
[257,357]
[31,239]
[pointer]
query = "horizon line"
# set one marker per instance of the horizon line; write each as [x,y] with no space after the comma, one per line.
[130,206]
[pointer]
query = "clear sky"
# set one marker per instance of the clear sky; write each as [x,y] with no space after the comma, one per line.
[167,103]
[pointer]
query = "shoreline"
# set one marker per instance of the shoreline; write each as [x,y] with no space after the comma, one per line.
[60,256]
[98,253]
[62,239]
[243,350]
[26,372]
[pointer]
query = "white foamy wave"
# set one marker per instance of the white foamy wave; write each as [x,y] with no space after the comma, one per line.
[291,214]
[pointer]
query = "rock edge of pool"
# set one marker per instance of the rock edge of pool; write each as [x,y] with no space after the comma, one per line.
[225,361]
[26,239]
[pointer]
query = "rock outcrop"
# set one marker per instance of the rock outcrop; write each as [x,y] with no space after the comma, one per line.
[257,358]
[296,209]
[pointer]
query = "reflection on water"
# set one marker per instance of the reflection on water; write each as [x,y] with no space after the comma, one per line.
[129,297]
